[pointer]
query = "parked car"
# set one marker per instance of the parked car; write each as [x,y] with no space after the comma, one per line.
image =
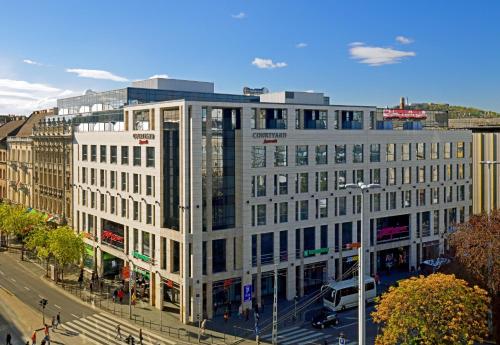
[325,318]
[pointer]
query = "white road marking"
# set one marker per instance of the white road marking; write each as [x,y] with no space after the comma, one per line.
[40,296]
[58,307]
[13,280]
[27,288]
[2,273]
[75,316]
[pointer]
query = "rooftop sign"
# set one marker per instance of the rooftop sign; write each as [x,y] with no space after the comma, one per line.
[404,114]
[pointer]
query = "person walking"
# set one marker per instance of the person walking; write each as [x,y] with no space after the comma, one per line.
[58,319]
[203,326]
[120,295]
[33,338]
[53,323]
[140,336]
[46,330]
[8,339]
[118,332]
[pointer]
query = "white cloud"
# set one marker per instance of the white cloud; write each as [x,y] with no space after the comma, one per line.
[403,40]
[301,45]
[159,76]
[95,74]
[31,62]
[377,56]
[22,97]
[240,15]
[267,63]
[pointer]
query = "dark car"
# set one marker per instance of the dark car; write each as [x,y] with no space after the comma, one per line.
[325,318]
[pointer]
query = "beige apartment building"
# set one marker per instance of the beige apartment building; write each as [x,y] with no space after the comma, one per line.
[7,129]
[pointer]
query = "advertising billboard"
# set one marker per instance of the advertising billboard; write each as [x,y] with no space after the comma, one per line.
[404,114]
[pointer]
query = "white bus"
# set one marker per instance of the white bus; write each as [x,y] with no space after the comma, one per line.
[344,294]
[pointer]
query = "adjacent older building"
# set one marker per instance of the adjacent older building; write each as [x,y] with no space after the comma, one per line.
[52,158]
[205,194]
[7,129]
[20,161]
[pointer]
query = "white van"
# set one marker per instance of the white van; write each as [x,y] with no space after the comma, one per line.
[344,294]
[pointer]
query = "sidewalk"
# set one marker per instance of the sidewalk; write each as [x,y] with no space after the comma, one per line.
[143,314]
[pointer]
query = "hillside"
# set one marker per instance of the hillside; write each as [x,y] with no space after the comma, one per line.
[455,111]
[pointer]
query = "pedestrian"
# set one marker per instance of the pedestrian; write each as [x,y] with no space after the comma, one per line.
[115,294]
[43,342]
[203,326]
[240,311]
[27,342]
[46,330]
[91,286]
[226,316]
[33,338]
[140,336]
[8,339]
[120,295]
[80,279]
[215,308]
[58,318]
[118,332]
[47,339]
[54,322]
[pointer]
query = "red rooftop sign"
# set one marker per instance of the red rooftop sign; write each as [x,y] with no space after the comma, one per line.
[404,114]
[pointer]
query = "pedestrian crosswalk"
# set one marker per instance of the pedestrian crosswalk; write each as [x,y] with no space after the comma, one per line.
[303,336]
[101,329]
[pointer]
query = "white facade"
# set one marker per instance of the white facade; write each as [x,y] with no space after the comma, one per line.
[206,266]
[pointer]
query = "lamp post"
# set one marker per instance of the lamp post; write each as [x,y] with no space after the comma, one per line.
[488,194]
[361,276]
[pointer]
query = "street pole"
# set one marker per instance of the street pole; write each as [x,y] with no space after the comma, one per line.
[131,277]
[275,306]
[361,276]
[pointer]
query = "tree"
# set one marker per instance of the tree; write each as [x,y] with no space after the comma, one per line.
[3,215]
[38,240]
[477,247]
[438,309]
[66,246]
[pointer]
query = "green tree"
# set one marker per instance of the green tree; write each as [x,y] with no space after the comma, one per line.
[66,246]
[3,215]
[438,309]
[38,240]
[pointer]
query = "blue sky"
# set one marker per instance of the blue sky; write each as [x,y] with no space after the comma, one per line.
[357,52]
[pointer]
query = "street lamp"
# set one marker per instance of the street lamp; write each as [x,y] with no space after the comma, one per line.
[488,194]
[361,276]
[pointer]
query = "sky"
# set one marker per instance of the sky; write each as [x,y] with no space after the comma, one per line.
[357,52]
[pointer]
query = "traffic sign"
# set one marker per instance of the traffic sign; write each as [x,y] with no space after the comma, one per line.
[247,293]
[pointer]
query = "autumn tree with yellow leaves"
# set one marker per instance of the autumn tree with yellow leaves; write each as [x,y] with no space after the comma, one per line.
[438,309]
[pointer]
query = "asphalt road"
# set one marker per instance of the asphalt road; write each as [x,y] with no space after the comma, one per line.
[25,280]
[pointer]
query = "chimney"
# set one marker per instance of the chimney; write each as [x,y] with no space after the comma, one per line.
[402,103]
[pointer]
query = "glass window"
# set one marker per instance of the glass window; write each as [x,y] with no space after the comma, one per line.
[124,208]
[150,157]
[302,155]
[136,183]
[406,152]
[448,172]
[342,201]
[375,197]
[141,120]
[434,150]
[149,214]
[357,152]
[84,175]
[102,178]
[420,151]
[375,176]
[322,154]
[322,181]
[124,181]
[284,245]
[302,183]
[435,195]
[406,198]
[435,173]
[322,208]
[267,248]
[84,152]
[391,176]
[261,214]
[390,200]
[460,171]
[283,212]
[447,150]
[259,185]
[150,185]
[112,178]
[92,176]
[137,156]
[460,149]
[374,153]
[357,176]
[102,156]
[258,156]
[421,197]
[340,179]
[113,154]
[93,153]
[281,184]
[421,174]
[391,152]
[340,154]
[219,257]
[281,156]
[406,175]
[146,245]
[302,210]
[135,210]
[124,155]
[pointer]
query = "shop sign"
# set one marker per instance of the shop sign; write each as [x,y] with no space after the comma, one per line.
[144,136]
[269,138]
[108,235]
[169,283]
[228,283]
[352,258]
[125,272]
[143,257]
[311,252]
[247,293]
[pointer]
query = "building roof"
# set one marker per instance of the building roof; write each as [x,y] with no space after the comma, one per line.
[10,128]
[27,129]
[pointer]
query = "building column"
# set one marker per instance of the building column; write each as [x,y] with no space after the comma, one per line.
[413,241]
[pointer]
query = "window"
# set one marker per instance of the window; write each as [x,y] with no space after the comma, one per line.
[375,176]
[141,120]
[421,197]
[124,180]
[322,208]
[258,215]
[149,214]
[92,200]
[150,157]
[406,198]
[340,154]
[322,181]
[434,195]
[311,119]
[434,150]
[136,183]
[103,202]
[460,149]
[219,260]
[406,175]
[84,152]
[150,183]
[281,212]
[281,184]
[113,151]
[375,202]
[267,248]
[434,173]
[420,151]
[391,176]
[447,150]
[84,175]
[124,155]
[112,204]
[302,155]
[390,200]
[357,176]
[448,194]
[284,245]
[137,155]
[258,156]
[135,210]
[302,210]
[461,193]
[84,198]
[342,203]
[406,152]
[102,155]
[93,153]
[421,174]
[112,178]
[92,176]
[280,156]
[391,152]
[269,119]
[340,179]
[460,171]
[259,185]
[124,208]
[374,153]
[448,172]
[435,222]
[102,178]
[302,183]
[322,154]
[357,153]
